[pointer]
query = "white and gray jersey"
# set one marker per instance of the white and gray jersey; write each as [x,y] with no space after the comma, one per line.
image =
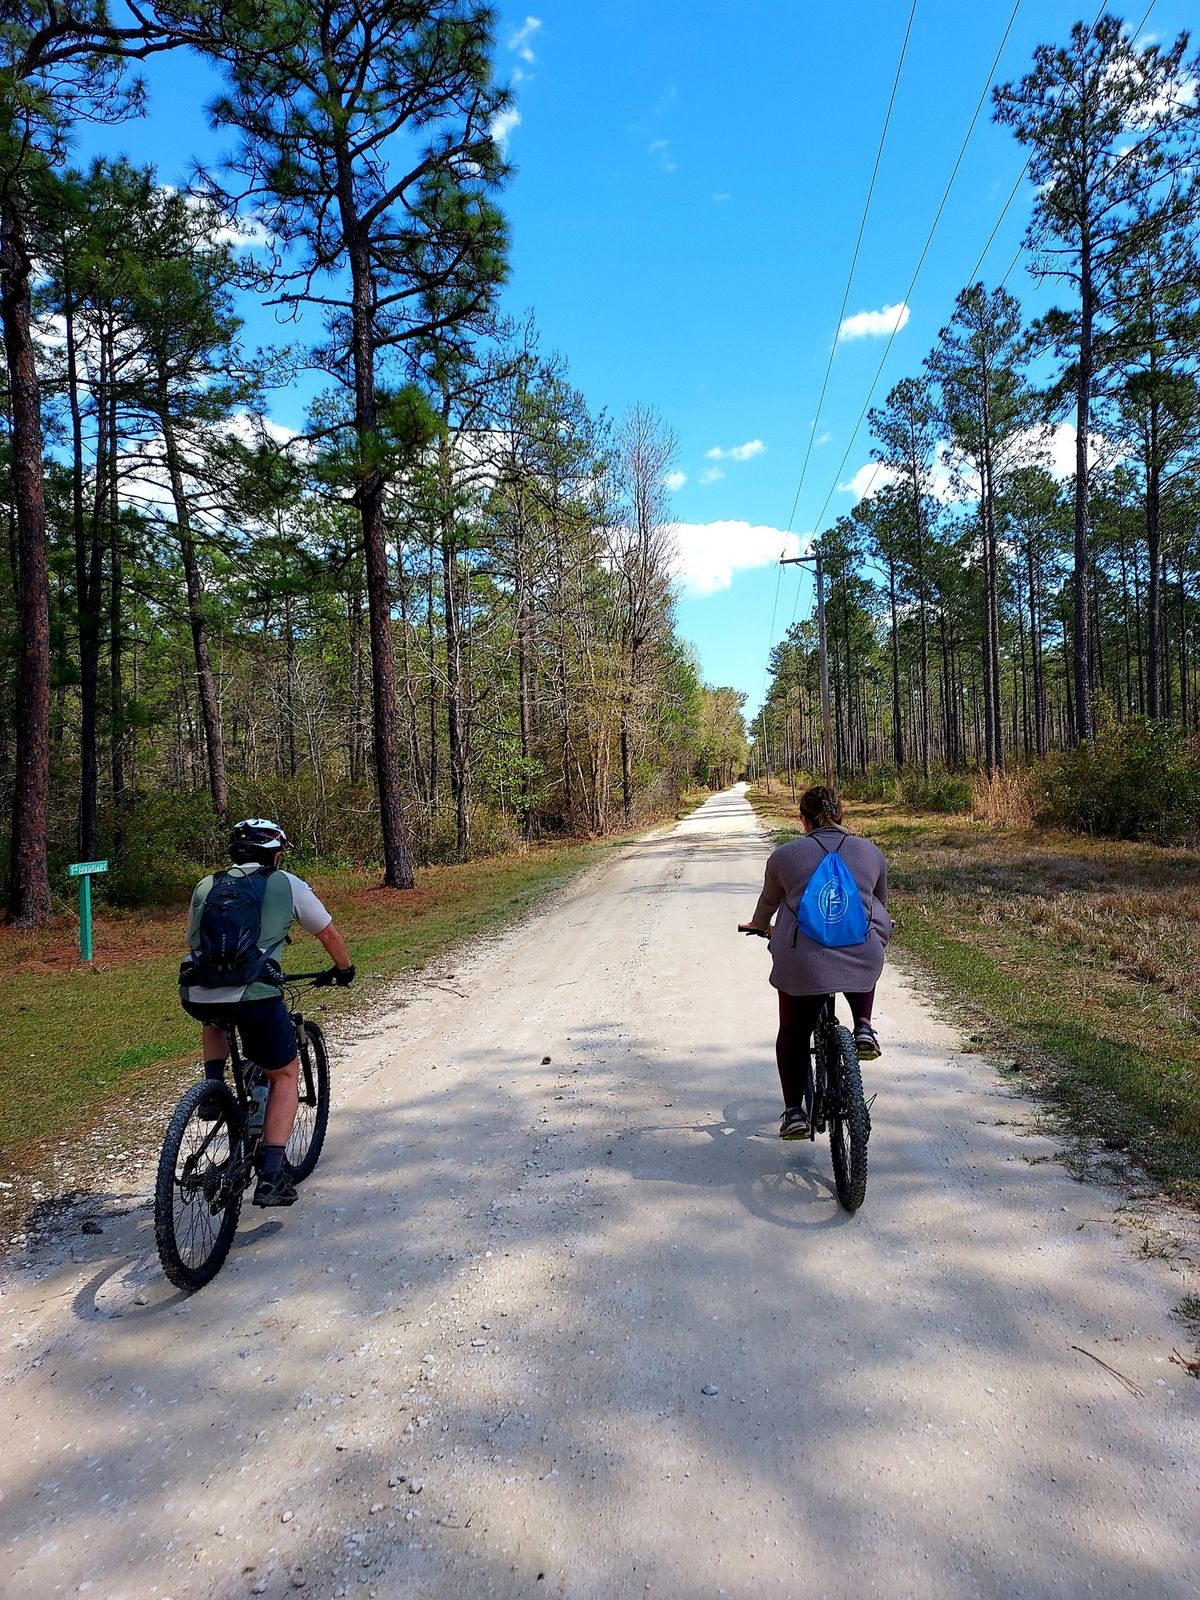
[287,899]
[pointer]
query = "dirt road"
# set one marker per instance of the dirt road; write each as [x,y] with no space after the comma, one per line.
[559,1315]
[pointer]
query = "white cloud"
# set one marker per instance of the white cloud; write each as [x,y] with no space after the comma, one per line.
[869,479]
[708,555]
[662,149]
[503,125]
[711,475]
[1056,448]
[874,324]
[721,196]
[675,480]
[739,452]
[824,438]
[521,39]
[954,481]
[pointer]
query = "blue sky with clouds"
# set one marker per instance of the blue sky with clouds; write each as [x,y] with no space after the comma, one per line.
[690,177]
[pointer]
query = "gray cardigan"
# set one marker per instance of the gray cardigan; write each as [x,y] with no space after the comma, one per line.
[806,967]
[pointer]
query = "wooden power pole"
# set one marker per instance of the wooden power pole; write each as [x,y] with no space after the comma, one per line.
[822,653]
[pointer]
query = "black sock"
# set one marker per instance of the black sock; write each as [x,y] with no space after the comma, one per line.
[214,1071]
[272,1159]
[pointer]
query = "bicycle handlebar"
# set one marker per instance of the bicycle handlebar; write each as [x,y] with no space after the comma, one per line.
[300,977]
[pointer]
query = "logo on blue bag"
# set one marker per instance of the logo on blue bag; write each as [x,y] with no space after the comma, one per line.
[833,902]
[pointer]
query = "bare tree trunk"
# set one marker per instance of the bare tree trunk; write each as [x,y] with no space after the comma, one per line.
[29,879]
[210,709]
[455,689]
[116,639]
[410,693]
[1079,577]
[88,577]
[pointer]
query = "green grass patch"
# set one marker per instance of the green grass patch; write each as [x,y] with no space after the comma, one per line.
[79,1040]
[1076,960]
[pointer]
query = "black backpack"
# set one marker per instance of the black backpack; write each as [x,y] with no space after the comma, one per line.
[229,932]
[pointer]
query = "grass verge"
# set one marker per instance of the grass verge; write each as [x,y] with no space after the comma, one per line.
[1077,960]
[80,1042]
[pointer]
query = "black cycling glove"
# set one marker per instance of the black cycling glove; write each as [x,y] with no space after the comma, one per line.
[339,975]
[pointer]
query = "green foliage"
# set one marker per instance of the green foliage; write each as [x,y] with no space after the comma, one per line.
[1136,780]
[172,839]
[944,791]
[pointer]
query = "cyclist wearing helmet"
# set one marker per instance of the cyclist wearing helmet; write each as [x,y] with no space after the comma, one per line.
[233,973]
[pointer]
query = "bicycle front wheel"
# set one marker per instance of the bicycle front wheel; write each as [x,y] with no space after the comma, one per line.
[198,1194]
[312,1114]
[850,1122]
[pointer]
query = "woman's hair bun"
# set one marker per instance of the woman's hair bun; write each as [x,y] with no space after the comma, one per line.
[821,806]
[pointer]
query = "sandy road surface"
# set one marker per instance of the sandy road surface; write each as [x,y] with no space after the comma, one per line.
[511,1279]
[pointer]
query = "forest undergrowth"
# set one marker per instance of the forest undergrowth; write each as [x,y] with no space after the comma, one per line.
[1073,962]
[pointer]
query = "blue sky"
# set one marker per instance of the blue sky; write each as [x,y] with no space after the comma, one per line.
[690,179]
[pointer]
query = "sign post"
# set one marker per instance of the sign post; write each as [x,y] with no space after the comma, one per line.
[84,871]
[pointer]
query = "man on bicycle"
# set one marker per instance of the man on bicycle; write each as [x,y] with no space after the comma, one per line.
[240,919]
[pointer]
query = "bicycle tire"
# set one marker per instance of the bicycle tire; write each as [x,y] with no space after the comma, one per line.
[312,1115]
[193,1251]
[850,1124]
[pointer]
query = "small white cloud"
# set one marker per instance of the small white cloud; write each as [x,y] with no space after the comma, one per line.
[711,475]
[521,39]
[675,480]
[868,480]
[503,125]
[874,324]
[1055,447]
[710,554]
[824,438]
[721,196]
[662,149]
[739,452]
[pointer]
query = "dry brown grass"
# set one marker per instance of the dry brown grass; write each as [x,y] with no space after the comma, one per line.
[1006,800]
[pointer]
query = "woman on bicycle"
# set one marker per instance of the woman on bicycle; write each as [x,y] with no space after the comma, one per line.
[803,971]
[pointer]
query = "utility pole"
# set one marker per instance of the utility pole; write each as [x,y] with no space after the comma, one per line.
[762,721]
[822,652]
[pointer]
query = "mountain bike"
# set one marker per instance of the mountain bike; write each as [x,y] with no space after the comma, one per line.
[213,1143]
[838,1103]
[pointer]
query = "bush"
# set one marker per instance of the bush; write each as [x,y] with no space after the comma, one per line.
[1136,780]
[172,839]
[943,790]
[1014,799]
[877,783]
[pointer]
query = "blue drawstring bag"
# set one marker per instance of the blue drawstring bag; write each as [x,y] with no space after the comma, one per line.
[831,911]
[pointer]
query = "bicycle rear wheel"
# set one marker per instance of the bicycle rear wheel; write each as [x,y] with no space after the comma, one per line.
[198,1194]
[849,1121]
[312,1115]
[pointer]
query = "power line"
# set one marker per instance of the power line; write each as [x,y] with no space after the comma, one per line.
[924,252]
[1021,176]
[853,261]
[841,314]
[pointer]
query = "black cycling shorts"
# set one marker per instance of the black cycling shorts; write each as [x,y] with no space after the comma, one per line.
[265,1027]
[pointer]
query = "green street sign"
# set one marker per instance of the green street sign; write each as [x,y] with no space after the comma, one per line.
[85,871]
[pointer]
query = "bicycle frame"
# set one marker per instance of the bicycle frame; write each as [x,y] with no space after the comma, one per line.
[823,1091]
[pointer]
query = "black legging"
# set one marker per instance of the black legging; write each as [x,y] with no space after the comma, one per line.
[798,1015]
